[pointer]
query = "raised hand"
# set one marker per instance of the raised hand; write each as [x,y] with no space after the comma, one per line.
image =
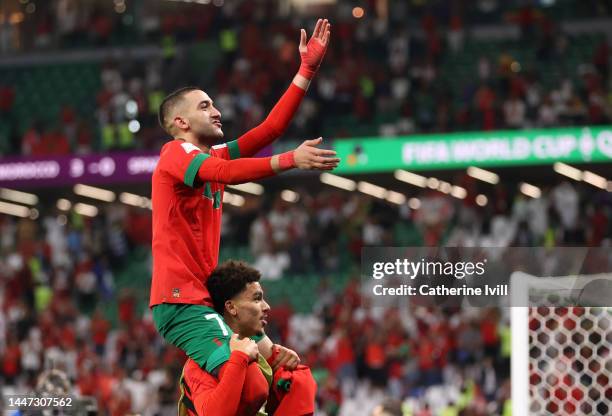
[307,156]
[313,51]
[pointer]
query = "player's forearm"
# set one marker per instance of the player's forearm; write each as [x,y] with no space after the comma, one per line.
[225,397]
[277,121]
[244,170]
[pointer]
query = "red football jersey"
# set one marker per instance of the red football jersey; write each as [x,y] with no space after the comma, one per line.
[186,224]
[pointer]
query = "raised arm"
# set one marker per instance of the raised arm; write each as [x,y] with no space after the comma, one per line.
[311,54]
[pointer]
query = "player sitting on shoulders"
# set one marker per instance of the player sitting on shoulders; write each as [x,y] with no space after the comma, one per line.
[238,296]
[187,194]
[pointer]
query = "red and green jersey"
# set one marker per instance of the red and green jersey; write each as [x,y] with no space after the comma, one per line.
[187,194]
[186,223]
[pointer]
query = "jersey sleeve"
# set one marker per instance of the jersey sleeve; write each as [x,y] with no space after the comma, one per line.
[240,388]
[219,170]
[186,163]
[182,160]
[212,397]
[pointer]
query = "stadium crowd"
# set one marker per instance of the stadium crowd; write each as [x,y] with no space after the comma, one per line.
[58,279]
[58,273]
[378,79]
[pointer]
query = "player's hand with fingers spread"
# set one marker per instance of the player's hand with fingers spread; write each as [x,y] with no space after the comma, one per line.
[285,358]
[245,345]
[309,157]
[313,51]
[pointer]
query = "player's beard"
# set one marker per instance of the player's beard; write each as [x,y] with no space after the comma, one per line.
[210,135]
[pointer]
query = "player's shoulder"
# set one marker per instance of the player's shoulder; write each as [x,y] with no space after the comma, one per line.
[178,145]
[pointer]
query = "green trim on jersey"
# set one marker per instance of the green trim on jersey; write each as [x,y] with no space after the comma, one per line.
[207,191]
[192,169]
[216,197]
[234,149]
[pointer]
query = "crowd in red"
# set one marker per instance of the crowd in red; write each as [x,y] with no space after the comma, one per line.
[58,279]
[378,78]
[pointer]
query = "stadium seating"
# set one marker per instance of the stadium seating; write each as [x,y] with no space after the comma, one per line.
[42,91]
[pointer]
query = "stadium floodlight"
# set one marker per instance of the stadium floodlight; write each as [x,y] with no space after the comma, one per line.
[396,197]
[94,193]
[482,200]
[85,209]
[411,178]
[594,179]
[303,5]
[445,187]
[483,175]
[18,196]
[371,189]
[14,209]
[290,196]
[249,188]
[458,192]
[131,108]
[530,190]
[233,199]
[135,200]
[338,181]
[567,170]
[358,12]
[433,183]
[134,126]
[63,204]
[414,203]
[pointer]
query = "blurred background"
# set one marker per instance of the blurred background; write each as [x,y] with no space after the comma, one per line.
[80,86]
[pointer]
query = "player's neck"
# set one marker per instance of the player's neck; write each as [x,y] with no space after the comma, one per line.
[236,328]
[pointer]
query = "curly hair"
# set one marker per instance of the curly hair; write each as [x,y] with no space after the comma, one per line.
[228,280]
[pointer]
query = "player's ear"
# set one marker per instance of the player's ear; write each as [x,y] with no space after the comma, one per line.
[230,307]
[181,123]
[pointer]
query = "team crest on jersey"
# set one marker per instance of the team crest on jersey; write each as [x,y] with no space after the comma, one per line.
[189,147]
[176,293]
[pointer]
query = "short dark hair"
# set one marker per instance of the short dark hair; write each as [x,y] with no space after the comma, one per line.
[228,280]
[168,103]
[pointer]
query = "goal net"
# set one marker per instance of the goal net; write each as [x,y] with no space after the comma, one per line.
[561,361]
